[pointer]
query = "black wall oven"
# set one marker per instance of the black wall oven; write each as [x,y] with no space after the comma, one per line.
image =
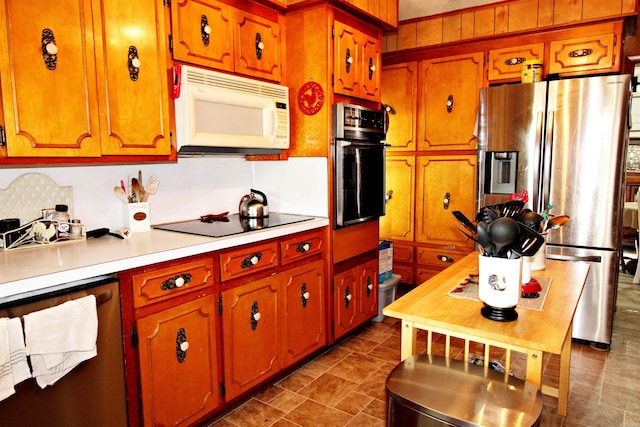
[359,164]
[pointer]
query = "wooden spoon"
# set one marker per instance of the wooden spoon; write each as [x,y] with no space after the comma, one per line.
[120,194]
[556,222]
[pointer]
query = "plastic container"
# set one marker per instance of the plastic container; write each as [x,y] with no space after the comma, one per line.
[531,71]
[386,294]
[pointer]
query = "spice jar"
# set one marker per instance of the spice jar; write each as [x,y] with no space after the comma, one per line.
[76,228]
[62,216]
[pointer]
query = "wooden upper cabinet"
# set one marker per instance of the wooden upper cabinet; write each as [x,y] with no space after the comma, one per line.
[202,33]
[507,63]
[132,78]
[50,99]
[591,53]
[400,90]
[214,34]
[448,101]
[357,59]
[81,85]
[257,46]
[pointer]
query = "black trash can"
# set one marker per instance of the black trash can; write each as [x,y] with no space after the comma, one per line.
[426,391]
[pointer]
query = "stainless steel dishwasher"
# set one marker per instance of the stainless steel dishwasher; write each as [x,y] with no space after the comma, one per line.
[92,394]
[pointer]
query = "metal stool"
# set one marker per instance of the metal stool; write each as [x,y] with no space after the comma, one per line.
[432,391]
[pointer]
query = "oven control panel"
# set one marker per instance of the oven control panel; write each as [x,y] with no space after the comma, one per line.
[352,121]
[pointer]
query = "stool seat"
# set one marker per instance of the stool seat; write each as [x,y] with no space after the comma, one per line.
[431,390]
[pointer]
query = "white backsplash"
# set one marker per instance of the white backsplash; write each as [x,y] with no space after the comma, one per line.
[191,187]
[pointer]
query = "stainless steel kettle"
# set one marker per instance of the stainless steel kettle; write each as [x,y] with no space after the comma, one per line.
[254,205]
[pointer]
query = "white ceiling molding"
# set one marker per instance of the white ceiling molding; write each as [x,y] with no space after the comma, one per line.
[409,9]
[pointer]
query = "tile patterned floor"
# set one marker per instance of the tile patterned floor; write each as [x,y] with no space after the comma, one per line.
[344,387]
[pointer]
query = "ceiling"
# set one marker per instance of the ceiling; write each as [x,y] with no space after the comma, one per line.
[409,9]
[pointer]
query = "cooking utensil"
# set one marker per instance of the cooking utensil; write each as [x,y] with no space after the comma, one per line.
[531,219]
[152,185]
[221,217]
[135,191]
[466,222]
[488,214]
[120,194]
[468,235]
[512,208]
[528,243]
[503,232]
[254,205]
[488,247]
[556,222]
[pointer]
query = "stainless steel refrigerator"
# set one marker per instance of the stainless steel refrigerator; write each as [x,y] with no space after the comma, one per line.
[564,142]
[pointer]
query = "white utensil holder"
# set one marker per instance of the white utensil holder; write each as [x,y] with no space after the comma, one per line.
[538,261]
[499,287]
[137,217]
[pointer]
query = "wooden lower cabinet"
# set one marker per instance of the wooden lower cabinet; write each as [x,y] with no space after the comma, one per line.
[305,323]
[251,323]
[178,363]
[355,296]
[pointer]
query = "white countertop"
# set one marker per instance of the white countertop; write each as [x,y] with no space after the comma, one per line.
[31,270]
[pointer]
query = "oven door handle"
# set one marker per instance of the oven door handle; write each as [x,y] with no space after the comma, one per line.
[343,143]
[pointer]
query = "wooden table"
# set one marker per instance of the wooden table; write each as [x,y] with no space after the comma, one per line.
[535,332]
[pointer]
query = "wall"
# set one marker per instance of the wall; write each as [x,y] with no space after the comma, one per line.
[191,187]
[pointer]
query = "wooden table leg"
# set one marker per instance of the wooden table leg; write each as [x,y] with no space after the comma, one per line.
[565,368]
[408,336]
[534,367]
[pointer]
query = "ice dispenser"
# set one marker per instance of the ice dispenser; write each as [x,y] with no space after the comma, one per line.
[501,169]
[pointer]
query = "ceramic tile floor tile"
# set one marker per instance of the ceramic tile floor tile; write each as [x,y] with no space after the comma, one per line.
[344,386]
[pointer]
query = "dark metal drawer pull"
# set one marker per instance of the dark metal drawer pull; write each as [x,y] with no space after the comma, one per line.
[304,247]
[445,258]
[369,286]
[134,63]
[347,297]
[255,315]
[304,295]
[205,29]
[176,282]
[49,49]
[251,260]
[182,345]
[259,46]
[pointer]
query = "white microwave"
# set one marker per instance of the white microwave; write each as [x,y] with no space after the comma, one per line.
[219,113]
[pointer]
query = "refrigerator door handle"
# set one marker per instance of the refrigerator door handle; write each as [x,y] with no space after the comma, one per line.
[591,258]
[546,163]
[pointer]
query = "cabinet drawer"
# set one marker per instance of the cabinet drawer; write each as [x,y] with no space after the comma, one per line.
[240,262]
[439,257]
[402,253]
[302,246]
[164,283]
[589,53]
[506,63]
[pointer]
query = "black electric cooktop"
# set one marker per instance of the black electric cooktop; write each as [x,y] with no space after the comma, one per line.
[231,224]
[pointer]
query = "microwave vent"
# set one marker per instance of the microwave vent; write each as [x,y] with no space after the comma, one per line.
[233,83]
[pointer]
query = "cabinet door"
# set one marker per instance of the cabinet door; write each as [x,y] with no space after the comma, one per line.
[597,52]
[345,303]
[370,68]
[506,63]
[445,184]
[132,79]
[50,99]
[346,62]
[305,311]
[257,46]
[178,363]
[400,91]
[368,290]
[202,33]
[448,101]
[397,223]
[251,326]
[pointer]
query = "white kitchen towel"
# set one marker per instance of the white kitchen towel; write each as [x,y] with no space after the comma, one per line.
[60,337]
[13,358]
[6,375]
